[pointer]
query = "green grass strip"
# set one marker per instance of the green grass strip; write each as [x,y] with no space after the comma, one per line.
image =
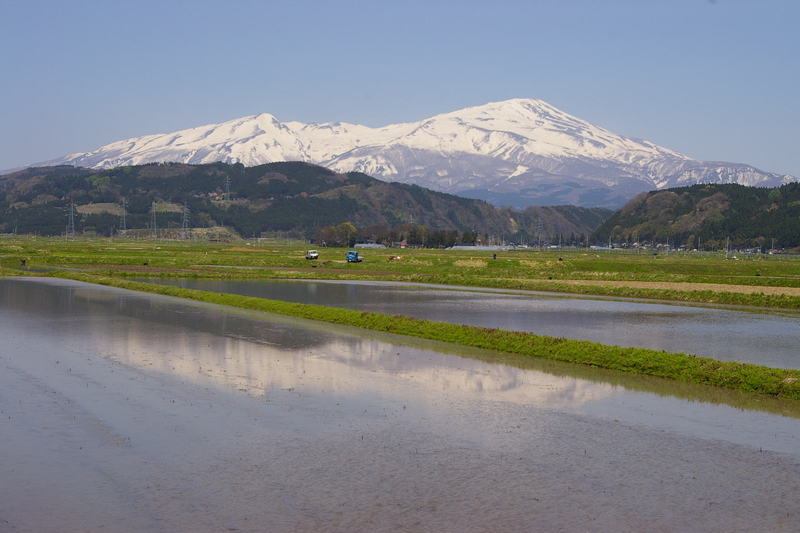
[775,382]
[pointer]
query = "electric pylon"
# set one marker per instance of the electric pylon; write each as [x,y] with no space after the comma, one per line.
[185,221]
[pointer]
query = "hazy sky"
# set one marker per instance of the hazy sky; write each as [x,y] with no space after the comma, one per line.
[717,80]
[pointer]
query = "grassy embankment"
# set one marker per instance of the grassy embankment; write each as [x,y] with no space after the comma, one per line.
[682,367]
[707,278]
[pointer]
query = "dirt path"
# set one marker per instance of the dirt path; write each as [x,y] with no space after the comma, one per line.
[678,286]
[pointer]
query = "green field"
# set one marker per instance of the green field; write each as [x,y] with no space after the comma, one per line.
[764,281]
[111,261]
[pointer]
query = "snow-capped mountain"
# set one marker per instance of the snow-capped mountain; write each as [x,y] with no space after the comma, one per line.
[517,152]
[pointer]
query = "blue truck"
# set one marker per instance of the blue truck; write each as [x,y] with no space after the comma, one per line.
[352,257]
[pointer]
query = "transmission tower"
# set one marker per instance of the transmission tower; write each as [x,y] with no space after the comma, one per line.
[185,221]
[539,228]
[123,223]
[227,188]
[71,220]
[153,226]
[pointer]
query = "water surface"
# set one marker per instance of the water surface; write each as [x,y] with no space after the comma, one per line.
[725,334]
[129,411]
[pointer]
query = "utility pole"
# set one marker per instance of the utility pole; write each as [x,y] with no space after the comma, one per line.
[185,222]
[71,220]
[153,227]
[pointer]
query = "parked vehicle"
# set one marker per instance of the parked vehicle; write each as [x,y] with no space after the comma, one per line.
[353,257]
[312,254]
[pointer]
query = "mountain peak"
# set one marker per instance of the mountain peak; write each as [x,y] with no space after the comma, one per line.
[504,107]
[520,151]
[518,105]
[266,117]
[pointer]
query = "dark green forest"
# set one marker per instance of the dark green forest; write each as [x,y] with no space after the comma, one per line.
[705,216]
[298,199]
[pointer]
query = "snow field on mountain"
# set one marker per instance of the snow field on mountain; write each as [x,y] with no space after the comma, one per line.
[520,147]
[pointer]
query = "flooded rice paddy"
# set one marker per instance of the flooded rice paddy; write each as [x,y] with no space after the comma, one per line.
[122,411]
[725,334]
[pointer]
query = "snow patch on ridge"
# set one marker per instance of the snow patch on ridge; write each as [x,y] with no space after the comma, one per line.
[521,146]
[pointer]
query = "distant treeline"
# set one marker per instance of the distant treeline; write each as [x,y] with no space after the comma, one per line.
[347,234]
[292,198]
[709,216]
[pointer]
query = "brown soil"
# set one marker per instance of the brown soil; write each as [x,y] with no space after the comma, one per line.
[678,286]
[139,268]
[227,269]
[334,270]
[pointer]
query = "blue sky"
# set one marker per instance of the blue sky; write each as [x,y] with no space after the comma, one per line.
[715,80]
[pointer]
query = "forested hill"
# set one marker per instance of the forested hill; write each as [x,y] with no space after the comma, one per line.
[297,198]
[709,214]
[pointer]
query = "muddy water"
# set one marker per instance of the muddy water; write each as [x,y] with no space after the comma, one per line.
[725,334]
[122,411]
